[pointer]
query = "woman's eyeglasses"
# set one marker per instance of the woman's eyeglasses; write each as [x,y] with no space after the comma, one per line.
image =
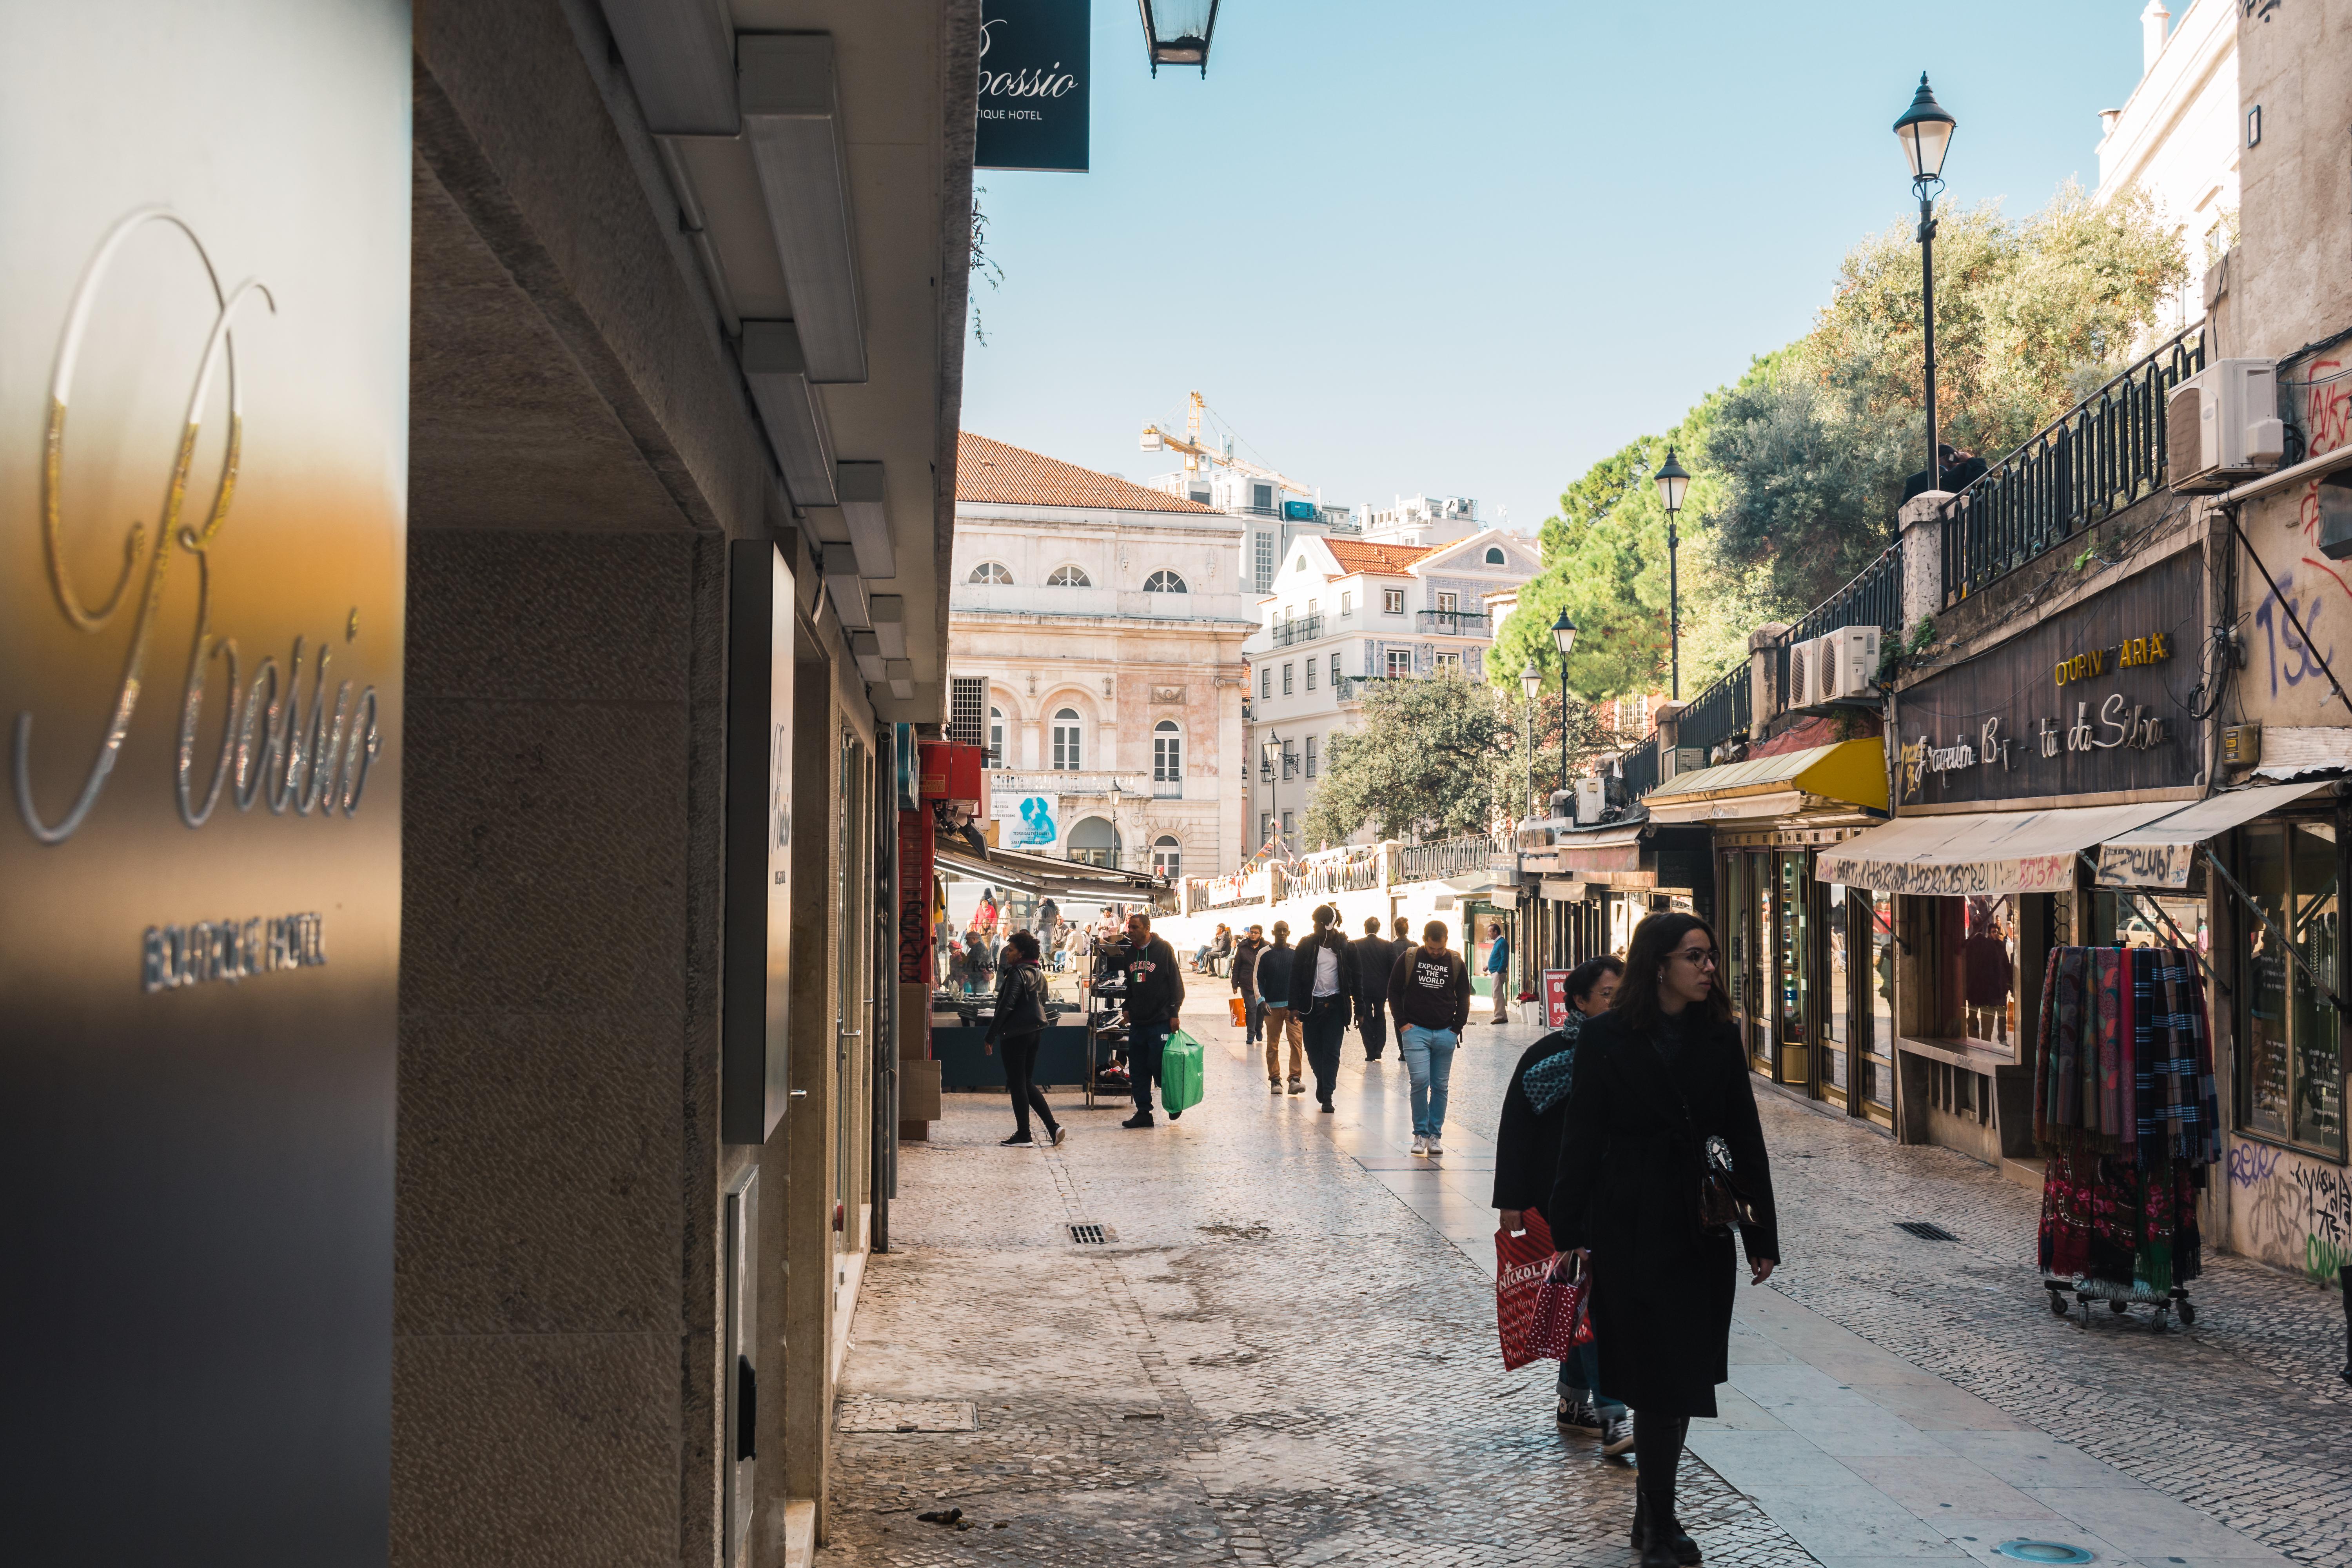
[1696,957]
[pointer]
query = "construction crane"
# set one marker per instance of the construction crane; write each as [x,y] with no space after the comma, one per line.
[1195,453]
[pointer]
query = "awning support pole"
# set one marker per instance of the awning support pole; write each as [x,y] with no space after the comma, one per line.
[2151,906]
[2276,935]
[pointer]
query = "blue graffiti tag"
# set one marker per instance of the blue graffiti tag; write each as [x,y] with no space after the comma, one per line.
[2251,1162]
[2279,629]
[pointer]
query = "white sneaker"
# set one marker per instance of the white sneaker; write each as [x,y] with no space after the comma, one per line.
[1420,1145]
[1432,1148]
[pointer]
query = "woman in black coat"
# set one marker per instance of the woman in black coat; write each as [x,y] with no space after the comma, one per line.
[1657,1077]
[1020,1025]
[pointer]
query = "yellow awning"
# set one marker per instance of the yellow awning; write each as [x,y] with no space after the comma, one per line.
[1850,771]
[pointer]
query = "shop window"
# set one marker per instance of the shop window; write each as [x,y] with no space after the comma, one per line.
[1796,954]
[1878,1080]
[1977,981]
[1837,1024]
[2292,1064]
[2141,919]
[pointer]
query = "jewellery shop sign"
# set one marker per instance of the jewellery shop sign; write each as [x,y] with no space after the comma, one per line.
[2090,702]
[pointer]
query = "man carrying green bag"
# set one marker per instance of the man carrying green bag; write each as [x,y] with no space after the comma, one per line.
[1180,1073]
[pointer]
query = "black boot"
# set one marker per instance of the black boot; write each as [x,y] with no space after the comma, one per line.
[1678,1546]
[1657,1534]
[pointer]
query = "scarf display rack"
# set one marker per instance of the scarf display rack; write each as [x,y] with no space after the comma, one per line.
[2126,1116]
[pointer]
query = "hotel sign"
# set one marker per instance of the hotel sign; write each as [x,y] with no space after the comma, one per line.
[1035,72]
[203,465]
[2091,701]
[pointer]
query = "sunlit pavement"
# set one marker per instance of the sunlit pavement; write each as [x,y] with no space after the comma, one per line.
[1284,1353]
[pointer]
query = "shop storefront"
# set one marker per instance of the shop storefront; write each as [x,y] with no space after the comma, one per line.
[1583,889]
[1807,965]
[2015,762]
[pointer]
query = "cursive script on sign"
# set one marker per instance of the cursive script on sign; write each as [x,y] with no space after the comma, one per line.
[272,750]
[1027,81]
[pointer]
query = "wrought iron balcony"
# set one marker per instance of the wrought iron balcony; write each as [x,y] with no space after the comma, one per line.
[1455,623]
[1282,634]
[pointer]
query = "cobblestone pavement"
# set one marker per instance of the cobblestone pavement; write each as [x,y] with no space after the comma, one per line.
[1273,1359]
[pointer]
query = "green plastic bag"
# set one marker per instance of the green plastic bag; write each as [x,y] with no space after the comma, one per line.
[1180,1073]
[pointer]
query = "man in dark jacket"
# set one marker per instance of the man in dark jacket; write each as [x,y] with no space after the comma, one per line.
[1526,1163]
[1430,990]
[1245,953]
[1155,995]
[1323,987]
[1375,956]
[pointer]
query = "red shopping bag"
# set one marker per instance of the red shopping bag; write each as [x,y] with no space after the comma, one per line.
[1521,1264]
[1563,1317]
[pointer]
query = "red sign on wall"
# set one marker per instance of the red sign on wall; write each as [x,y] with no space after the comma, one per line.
[1555,997]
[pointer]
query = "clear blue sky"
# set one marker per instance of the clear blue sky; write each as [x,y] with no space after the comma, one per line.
[1470,248]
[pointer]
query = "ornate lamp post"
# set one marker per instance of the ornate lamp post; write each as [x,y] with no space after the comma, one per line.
[1672,480]
[1926,132]
[1531,688]
[1270,753]
[1564,638]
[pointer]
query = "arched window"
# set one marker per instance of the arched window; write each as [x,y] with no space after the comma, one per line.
[1168,760]
[1094,841]
[1069,746]
[1164,583]
[992,571]
[1167,857]
[996,737]
[1068,577]
[1495,556]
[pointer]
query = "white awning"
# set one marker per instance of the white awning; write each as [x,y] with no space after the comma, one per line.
[1980,852]
[1047,880]
[2160,854]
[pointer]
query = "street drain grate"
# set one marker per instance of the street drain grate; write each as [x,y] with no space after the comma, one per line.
[1091,1235]
[1925,1230]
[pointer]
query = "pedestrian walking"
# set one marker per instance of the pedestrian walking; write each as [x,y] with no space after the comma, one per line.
[1662,1137]
[976,965]
[1375,956]
[1155,995]
[1245,977]
[1428,990]
[1018,1026]
[1526,1163]
[1498,971]
[1323,986]
[1400,936]
[1274,966]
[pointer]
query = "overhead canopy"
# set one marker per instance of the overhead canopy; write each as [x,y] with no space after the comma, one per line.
[1049,878]
[1853,771]
[2160,854]
[1980,851]
[1614,848]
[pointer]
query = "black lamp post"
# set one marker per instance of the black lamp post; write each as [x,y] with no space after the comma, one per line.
[1672,480]
[1177,33]
[1270,753]
[1531,688]
[1564,638]
[1926,132]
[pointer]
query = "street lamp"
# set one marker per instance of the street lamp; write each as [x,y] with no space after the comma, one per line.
[1672,480]
[1926,132]
[1564,638]
[1270,753]
[1177,33]
[1531,688]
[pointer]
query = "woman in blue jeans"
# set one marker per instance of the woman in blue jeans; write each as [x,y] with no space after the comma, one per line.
[1428,991]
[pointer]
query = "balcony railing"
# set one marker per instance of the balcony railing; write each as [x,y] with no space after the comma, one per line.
[1455,623]
[2102,455]
[1282,634]
[1446,857]
[1640,767]
[1724,709]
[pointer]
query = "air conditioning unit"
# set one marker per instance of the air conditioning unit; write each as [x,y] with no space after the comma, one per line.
[2222,426]
[1804,673]
[1591,798]
[1848,663]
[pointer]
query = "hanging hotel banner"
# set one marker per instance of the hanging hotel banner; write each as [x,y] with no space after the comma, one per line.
[1033,77]
[2090,702]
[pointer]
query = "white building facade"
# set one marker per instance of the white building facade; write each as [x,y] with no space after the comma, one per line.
[2179,139]
[1095,635]
[1345,611]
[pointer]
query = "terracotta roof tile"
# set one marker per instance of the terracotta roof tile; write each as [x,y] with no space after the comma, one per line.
[1355,555]
[990,470]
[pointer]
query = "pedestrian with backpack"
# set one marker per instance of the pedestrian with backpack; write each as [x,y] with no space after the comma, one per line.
[1428,990]
[1661,1156]
[1019,1026]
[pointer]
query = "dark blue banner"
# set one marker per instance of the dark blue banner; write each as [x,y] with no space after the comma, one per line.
[1034,65]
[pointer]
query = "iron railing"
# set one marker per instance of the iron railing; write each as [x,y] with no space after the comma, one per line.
[1454,623]
[1724,709]
[1331,871]
[1639,767]
[1282,634]
[1873,598]
[1446,857]
[2100,457]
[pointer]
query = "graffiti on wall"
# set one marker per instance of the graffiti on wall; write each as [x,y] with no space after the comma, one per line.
[2285,670]
[2293,1211]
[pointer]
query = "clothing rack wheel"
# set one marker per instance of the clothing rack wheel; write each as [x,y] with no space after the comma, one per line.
[2058,1308]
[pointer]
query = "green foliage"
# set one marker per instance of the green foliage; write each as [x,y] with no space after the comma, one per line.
[1442,758]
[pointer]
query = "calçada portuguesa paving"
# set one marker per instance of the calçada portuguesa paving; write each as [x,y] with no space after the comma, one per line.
[1284,1353]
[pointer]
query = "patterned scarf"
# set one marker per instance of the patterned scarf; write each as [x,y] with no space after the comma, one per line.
[1548,1081]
